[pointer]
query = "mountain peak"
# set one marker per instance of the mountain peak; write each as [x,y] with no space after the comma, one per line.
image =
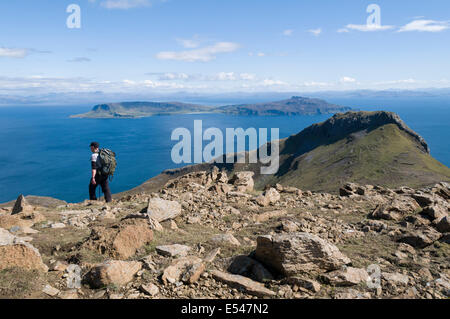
[342,125]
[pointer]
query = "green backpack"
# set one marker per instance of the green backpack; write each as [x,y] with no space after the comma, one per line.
[108,162]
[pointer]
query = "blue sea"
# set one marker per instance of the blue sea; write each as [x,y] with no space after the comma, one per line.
[44,152]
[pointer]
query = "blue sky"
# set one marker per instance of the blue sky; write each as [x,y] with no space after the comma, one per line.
[222,46]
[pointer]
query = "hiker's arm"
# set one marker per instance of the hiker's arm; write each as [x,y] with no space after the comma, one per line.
[94,171]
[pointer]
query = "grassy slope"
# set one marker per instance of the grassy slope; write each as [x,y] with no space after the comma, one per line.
[386,156]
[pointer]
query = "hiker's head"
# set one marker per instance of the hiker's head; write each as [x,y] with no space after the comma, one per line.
[94,147]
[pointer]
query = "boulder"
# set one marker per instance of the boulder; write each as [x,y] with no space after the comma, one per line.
[113,272]
[161,210]
[297,253]
[240,282]
[21,206]
[122,240]
[16,252]
[243,181]
[269,197]
[419,238]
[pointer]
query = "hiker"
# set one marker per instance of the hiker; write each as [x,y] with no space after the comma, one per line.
[98,178]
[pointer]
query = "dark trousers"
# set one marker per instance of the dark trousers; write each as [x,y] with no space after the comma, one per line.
[104,184]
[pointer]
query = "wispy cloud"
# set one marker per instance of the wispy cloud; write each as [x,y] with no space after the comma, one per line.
[125,4]
[347,79]
[315,32]
[366,27]
[14,53]
[221,76]
[79,60]
[288,32]
[204,54]
[425,26]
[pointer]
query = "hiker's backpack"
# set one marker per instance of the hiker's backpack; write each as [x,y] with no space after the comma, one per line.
[108,162]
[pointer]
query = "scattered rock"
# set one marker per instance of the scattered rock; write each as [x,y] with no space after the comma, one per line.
[212,255]
[58,225]
[175,250]
[227,239]
[306,283]
[261,218]
[249,286]
[150,289]
[49,290]
[348,276]
[188,269]
[352,294]
[395,278]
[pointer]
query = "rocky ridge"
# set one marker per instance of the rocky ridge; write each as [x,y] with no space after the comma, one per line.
[205,235]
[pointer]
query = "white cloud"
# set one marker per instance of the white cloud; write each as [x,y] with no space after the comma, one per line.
[13,53]
[125,4]
[261,54]
[79,60]
[425,26]
[190,43]
[247,76]
[395,82]
[288,32]
[204,54]
[270,82]
[347,79]
[315,32]
[367,27]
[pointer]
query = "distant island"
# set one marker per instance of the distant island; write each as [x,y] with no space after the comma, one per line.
[296,105]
